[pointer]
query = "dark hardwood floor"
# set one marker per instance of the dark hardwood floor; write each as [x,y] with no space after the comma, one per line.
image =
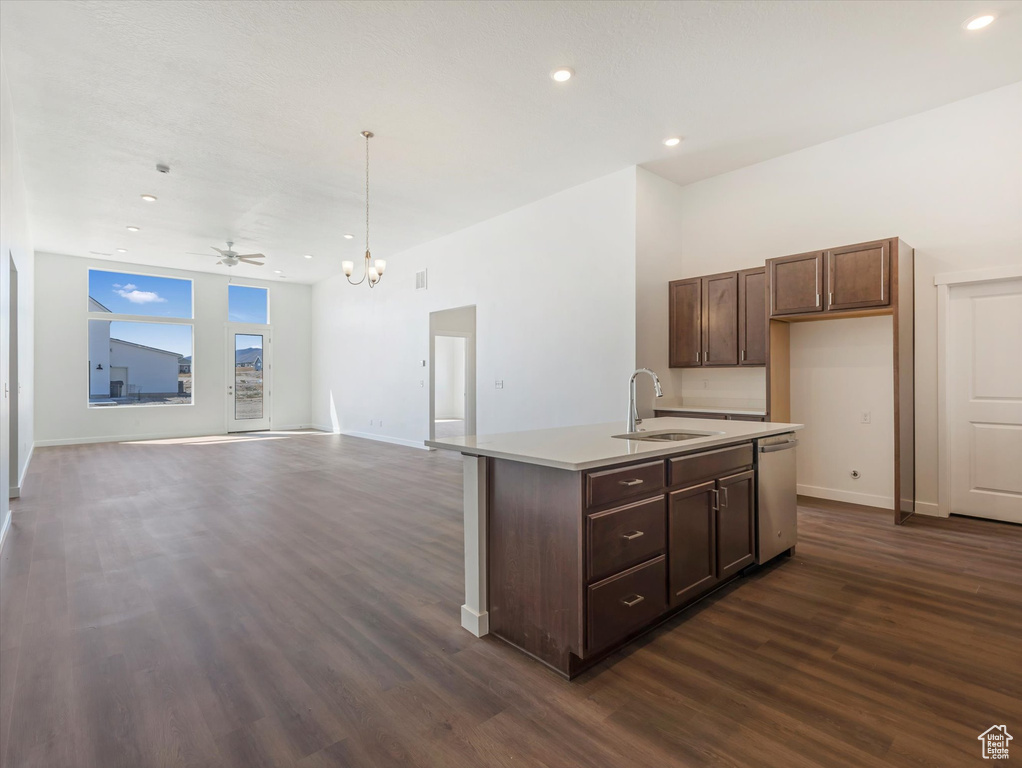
[277,600]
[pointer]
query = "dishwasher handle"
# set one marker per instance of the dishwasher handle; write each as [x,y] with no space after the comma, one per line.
[778,447]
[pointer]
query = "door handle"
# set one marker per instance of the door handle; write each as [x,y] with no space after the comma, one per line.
[633,600]
[632,535]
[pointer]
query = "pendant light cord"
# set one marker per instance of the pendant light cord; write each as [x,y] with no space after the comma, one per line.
[367,195]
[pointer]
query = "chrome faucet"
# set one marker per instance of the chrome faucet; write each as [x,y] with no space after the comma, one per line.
[633,412]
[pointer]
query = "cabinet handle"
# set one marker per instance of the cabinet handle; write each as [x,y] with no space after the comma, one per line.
[817,298]
[716,499]
[632,535]
[630,483]
[830,298]
[743,355]
[633,600]
[724,504]
[697,357]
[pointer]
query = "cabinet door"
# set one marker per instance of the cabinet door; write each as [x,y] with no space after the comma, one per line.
[736,523]
[796,283]
[686,318]
[691,549]
[859,276]
[720,319]
[752,317]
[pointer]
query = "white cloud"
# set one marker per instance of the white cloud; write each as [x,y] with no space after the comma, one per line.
[136,296]
[128,287]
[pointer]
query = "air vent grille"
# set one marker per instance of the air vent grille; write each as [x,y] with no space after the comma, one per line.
[420,280]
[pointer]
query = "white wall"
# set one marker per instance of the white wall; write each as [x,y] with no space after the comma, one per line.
[16,244]
[947,181]
[63,415]
[151,371]
[554,288]
[449,395]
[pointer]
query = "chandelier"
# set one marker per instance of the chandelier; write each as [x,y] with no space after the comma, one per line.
[373,272]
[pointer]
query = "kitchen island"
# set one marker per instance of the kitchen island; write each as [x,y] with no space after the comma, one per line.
[577,540]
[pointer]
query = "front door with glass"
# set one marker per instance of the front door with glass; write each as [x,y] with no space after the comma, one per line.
[248,378]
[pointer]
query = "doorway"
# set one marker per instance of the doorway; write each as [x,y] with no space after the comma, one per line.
[452,374]
[983,405]
[248,377]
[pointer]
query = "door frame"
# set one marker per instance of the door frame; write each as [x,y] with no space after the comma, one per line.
[944,283]
[253,329]
[437,328]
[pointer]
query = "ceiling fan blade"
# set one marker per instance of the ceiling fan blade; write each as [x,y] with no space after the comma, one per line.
[222,253]
[251,256]
[250,261]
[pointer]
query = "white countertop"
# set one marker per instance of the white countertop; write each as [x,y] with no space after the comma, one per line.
[709,409]
[593,445]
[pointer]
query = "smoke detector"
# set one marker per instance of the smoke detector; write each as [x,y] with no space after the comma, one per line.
[162,168]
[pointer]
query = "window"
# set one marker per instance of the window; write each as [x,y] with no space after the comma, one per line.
[139,362]
[246,304]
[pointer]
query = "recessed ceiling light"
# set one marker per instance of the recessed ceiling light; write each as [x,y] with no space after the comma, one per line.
[562,74]
[672,141]
[308,255]
[149,198]
[132,229]
[122,250]
[277,272]
[978,22]
[349,237]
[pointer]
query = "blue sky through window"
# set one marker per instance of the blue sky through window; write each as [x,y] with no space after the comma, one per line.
[172,338]
[246,304]
[128,294]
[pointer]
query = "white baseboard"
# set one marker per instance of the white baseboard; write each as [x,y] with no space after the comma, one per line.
[15,492]
[476,623]
[4,527]
[324,428]
[24,470]
[122,438]
[850,497]
[928,508]
[385,439]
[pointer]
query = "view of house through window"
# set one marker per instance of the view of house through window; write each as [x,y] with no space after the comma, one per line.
[139,362]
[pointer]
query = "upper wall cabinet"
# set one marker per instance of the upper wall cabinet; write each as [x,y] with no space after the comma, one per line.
[752,317]
[796,283]
[855,277]
[859,276]
[719,320]
[686,318]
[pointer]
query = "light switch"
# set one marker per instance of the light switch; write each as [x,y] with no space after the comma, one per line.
[498,384]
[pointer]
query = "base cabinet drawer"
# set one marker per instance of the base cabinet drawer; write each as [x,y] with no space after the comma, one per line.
[624,603]
[622,537]
[708,465]
[621,483]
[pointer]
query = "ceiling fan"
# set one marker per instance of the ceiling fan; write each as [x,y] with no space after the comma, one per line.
[231,258]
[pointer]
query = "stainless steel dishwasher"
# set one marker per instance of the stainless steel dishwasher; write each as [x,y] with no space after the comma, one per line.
[776,503]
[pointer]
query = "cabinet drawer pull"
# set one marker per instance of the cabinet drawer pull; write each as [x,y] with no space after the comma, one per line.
[632,535]
[633,600]
[629,483]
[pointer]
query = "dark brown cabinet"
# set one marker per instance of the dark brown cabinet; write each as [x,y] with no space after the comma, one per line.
[580,562]
[752,317]
[796,284]
[855,277]
[686,323]
[693,546]
[736,523]
[718,320]
[859,276]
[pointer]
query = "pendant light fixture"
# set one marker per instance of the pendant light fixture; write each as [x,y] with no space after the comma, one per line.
[373,272]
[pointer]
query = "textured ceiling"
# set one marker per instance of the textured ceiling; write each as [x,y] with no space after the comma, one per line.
[257,108]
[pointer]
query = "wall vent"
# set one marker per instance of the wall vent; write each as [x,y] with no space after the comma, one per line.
[420,280]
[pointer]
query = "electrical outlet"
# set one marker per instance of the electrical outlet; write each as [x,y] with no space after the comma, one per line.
[370,422]
[706,383]
[381,422]
[422,382]
[498,384]
[866,417]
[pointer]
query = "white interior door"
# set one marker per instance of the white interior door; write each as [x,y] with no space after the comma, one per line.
[248,377]
[984,364]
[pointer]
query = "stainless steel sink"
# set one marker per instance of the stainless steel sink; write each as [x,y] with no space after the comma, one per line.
[665,436]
